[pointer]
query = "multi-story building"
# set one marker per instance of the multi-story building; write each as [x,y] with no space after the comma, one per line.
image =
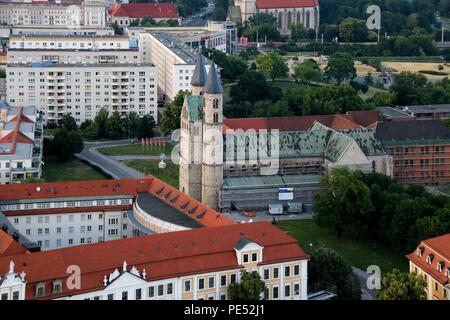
[219,35]
[417,112]
[420,150]
[20,144]
[431,260]
[72,49]
[174,60]
[125,13]
[62,31]
[197,264]
[53,13]
[83,89]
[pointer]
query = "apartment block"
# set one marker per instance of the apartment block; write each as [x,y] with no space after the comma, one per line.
[174,60]
[20,144]
[72,49]
[53,13]
[83,89]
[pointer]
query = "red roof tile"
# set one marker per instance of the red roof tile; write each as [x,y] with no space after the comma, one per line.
[263,4]
[140,10]
[100,259]
[10,247]
[440,248]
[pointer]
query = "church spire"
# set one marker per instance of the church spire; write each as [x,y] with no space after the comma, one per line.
[213,84]
[199,76]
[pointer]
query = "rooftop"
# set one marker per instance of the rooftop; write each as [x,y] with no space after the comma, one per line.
[412,130]
[139,10]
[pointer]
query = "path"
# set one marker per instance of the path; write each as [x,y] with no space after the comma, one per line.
[367,294]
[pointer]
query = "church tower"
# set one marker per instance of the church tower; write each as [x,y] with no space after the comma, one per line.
[191,138]
[212,164]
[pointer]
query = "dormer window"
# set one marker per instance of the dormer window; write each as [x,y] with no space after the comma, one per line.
[440,265]
[245,258]
[57,287]
[447,272]
[40,290]
[254,257]
[430,258]
[420,250]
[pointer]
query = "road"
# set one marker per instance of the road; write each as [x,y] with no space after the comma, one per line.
[197,19]
[109,165]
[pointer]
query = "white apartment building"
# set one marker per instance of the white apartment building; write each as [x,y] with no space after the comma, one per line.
[174,59]
[53,13]
[20,144]
[62,30]
[83,89]
[26,49]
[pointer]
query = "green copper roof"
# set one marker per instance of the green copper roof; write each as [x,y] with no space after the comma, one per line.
[235,12]
[195,107]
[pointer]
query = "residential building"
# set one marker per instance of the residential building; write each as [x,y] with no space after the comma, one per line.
[83,89]
[123,14]
[175,62]
[431,260]
[195,264]
[72,49]
[53,13]
[417,112]
[420,150]
[62,30]
[20,143]
[394,114]
[285,11]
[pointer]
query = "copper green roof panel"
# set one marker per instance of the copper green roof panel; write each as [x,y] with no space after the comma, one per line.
[195,107]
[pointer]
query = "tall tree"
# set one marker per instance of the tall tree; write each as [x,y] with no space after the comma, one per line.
[68,122]
[398,285]
[343,202]
[329,268]
[171,118]
[100,119]
[66,143]
[340,66]
[273,64]
[145,127]
[114,126]
[250,288]
[308,71]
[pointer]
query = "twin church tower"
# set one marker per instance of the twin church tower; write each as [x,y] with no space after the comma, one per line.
[201,139]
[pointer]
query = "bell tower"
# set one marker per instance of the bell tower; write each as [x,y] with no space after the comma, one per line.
[212,164]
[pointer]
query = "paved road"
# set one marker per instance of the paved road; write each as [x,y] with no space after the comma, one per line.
[112,167]
[367,294]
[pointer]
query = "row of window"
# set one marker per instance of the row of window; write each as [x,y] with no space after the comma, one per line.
[423,163]
[410,150]
[287,291]
[65,204]
[83,229]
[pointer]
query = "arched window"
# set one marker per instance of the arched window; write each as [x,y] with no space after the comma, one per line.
[289,19]
[216,103]
[315,17]
[298,16]
[307,19]
[280,20]
[216,117]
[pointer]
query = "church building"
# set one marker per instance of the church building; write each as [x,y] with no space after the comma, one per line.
[245,162]
[285,11]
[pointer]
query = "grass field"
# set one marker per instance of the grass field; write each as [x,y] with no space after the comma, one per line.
[72,170]
[358,251]
[370,93]
[416,66]
[169,175]
[136,150]
[363,69]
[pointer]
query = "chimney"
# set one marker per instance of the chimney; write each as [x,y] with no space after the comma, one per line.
[15,236]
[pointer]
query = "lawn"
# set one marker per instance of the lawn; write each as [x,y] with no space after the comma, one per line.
[169,175]
[359,251]
[72,170]
[416,66]
[136,150]
[370,93]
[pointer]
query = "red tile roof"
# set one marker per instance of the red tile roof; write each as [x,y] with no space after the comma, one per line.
[16,136]
[140,10]
[440,247]
[350,120]
[10,247]
[100,259]
[266,4]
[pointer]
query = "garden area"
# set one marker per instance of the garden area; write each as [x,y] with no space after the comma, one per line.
[137,150]
[72,170]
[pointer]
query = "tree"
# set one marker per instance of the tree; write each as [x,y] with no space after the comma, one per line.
[263,32]
[68,122]
[250,288]
[85,124]
[252,86]
[402,286]
[409,88]
[340,66]
[114,126]
[273,64]
[298,31]
[353,30]
[91,132]
[308,71]
[267,108]
[261,18]
[344,202]
[327,267]
[130,123]
[66,143]
[100,119]
[117,30]
[171,118]
[145,127]
[147,21]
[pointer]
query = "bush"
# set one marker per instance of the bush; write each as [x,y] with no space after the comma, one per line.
[432,72]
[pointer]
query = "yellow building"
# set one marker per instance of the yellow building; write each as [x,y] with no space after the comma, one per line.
[431,260]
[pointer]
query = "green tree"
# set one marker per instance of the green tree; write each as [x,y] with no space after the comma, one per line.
[68,122]
[250,288]
[398,285]
[100,119]
[114,126]
[273,64]
[261,18]
[327,267]
[147,21]
[298,31]
[252,87]
[267,108]
[130,123]
[344,201]
[308,71]
[145,127]
[66,143]
[91,132]
[117,30]
[353,30]
[2,73]
[340,66]
[409,88]
[262,32]
[171,118]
